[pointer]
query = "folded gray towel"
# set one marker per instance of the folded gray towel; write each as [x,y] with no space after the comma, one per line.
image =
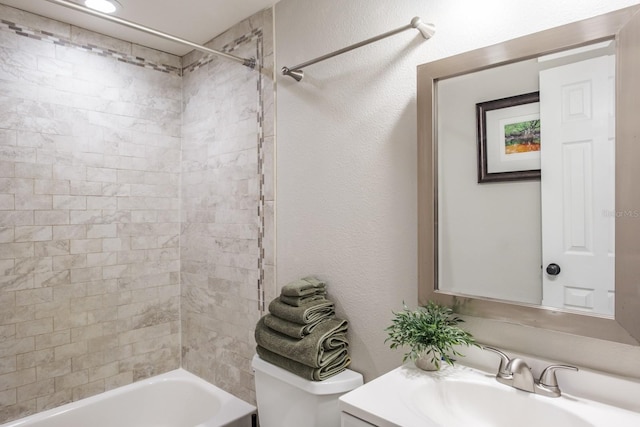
[307,313]
[339,363]
[294,330]
[298,301]
[335,341]
[309,350]
[303,287]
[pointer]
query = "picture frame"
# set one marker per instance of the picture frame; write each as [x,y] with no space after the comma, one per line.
[508,138]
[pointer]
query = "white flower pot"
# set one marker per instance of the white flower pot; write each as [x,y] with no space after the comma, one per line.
[424,362]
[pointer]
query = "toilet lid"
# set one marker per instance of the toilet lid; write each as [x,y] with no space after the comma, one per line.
[341,383]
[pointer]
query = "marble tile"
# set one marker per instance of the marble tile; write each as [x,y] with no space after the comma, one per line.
[71,380]
[34,327]
[30,202]
[53,400]
[53,217]
[268,241]
[35,21]
[156,56]
[65,262]
[102,231]
[93,174]
[17,378]
[63,237]
[33,233]
[32,297]
[268,158]
[88,389]
[52,279]
[34,358]
[7,202]
[119,380]
[7,364]
[16,283]
[86,37]
[226,222]
[16,218]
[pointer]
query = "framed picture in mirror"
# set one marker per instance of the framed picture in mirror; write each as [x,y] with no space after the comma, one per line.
[509,138]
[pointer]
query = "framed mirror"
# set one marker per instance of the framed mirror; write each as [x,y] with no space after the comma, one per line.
[481,214]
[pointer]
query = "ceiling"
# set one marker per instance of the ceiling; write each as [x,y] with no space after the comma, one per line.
[195,20]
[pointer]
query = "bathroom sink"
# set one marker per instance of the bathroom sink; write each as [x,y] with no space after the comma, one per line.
[480,404]
[462,396]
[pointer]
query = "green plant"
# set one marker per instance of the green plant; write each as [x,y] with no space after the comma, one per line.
[429,330]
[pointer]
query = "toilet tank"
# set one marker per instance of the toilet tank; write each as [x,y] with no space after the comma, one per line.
[287,400]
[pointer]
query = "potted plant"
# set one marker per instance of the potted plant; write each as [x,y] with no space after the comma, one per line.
[431,332]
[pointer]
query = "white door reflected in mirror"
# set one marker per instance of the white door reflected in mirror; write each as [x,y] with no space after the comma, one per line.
[577,112]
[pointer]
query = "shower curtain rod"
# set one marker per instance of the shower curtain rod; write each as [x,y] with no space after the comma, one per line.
[427,31]
[249,62]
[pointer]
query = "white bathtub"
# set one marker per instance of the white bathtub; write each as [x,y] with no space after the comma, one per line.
[175,399]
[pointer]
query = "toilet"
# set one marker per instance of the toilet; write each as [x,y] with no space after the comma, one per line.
[287,400]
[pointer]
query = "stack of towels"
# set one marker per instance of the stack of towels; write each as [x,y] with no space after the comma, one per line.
[301,333]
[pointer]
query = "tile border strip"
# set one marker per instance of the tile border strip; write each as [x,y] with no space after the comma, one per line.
[48,37]
[261,174]
[255,35]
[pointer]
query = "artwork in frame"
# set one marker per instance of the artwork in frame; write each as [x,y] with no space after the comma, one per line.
[509,138]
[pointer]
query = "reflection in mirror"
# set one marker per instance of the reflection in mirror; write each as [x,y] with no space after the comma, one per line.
[505,211]
[533,222]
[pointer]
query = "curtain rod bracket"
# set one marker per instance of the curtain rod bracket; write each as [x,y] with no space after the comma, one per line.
[297,75]
[427,31]
[251,63]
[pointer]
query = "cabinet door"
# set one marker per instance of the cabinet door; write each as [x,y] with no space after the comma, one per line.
[351,421]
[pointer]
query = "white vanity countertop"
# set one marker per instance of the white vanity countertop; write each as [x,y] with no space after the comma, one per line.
[385,400]
[388,401]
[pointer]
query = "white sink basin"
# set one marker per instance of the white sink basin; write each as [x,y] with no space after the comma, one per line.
[464,397]
[473,403]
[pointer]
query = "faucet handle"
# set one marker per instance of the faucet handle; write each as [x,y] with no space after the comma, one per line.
[504,361]
[548,376]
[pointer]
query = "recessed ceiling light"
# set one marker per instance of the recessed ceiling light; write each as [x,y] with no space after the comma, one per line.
[104,6]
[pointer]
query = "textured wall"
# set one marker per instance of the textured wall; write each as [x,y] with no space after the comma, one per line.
[89,223]
[346,159]
[227,205]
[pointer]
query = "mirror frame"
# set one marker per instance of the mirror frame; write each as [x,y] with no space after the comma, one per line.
[622,25]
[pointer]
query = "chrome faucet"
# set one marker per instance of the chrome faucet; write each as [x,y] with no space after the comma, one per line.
[516,373]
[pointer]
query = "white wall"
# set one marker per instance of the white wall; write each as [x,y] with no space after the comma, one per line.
[346,159]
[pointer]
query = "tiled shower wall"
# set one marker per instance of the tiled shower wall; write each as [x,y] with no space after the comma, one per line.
[227,205]
[90,239]
[89,213]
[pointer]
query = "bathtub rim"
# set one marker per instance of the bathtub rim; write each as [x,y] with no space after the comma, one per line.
[234,407]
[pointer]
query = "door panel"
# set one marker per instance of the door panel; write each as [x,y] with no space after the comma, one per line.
[577,132]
